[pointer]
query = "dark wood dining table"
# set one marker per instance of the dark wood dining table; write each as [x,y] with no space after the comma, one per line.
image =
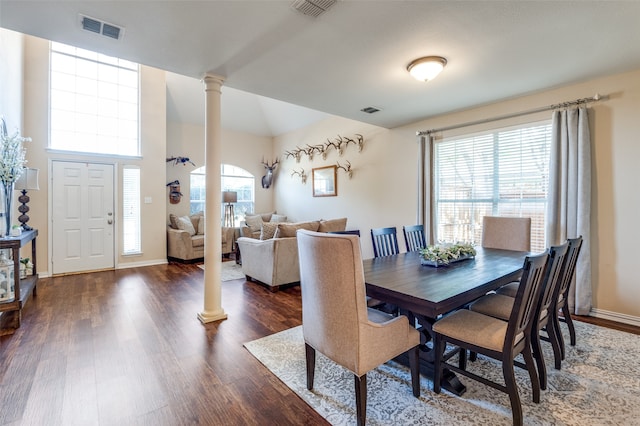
[425,293]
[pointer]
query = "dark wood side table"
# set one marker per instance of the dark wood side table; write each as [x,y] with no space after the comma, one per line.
[11,310]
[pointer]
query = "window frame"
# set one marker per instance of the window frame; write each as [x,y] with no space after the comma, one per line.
[502,200]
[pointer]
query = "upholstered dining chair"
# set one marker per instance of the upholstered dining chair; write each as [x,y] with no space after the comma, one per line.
[335,317]
[506,233]
[385,241]
[495,338]
[500,304]
[414,237]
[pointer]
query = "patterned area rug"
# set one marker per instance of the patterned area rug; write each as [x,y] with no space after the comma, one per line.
[230,271]
[598,385]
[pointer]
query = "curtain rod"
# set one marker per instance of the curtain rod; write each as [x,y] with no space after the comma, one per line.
[594,98]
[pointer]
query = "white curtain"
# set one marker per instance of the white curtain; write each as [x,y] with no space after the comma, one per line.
[569,206]
[425,187]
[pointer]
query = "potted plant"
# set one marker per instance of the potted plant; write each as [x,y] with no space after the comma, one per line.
[439,255]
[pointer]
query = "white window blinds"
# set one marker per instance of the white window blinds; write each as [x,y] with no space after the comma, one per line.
[131,210]
[502,173]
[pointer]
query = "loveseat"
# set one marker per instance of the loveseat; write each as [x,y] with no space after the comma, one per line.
[185,238]
[272,257]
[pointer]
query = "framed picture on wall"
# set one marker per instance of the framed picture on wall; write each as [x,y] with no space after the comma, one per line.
[324,182]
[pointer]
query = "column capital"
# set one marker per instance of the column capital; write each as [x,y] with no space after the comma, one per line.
[212,81]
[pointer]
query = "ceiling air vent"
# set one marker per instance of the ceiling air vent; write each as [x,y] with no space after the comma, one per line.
[99,27]
[370,110]
[313,8]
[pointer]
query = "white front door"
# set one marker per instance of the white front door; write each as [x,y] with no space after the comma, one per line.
[83,216]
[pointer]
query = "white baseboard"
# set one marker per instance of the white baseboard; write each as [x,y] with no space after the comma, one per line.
[615,316]
[140,264]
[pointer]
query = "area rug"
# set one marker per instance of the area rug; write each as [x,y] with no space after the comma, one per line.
[598,385]
[230,271]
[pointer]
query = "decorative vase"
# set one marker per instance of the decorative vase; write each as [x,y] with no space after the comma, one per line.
[7,204]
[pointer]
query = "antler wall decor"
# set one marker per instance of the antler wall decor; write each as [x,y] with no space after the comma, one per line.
[346,168]
[301,173]
[180,160]
[339,144]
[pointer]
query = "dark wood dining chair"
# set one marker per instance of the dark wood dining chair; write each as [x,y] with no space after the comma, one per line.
[500,304]
[562,299]
[414,237]
[495,338]
[335,318]
[385,241]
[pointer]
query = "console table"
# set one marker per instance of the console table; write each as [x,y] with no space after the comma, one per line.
[11,310]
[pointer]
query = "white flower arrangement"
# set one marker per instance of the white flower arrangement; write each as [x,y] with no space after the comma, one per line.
[11,155]
[447,253]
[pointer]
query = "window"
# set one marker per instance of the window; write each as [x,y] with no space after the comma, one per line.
[94,102]
[131,209]
[233,179]
[502,173]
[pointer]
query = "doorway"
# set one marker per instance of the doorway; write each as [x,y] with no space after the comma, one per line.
[83,217]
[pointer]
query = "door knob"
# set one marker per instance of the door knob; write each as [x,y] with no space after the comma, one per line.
[109,221]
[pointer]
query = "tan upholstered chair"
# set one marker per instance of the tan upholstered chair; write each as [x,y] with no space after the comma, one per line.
[500,304]
[506,233]
[495,338]
[335,317]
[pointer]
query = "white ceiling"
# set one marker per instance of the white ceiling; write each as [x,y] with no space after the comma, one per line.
[353,56]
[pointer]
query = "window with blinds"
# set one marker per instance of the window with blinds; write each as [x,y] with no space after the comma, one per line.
[94,102]
[502,173]
[131,210]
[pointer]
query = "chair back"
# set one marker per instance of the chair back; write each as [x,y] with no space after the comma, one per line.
[333,294]
[555,265]
[569,269]
[385,241]
[349,232]
[506,233]
[414,237]
[526,301]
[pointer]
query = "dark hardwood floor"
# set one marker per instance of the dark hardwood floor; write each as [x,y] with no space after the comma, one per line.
[126,348]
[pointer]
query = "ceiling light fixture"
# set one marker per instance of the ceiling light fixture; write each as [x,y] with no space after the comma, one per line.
[427,68]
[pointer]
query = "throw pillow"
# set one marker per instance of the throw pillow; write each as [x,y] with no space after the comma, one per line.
[254,222]
[184,223]
[196,218]
[289,229]
[200,230]
[333,225]
[278,218]
[173,221]
[268,230]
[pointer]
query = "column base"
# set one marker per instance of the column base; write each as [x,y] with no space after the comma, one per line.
[206,317]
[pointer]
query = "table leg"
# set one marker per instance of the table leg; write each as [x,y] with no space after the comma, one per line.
[423,324]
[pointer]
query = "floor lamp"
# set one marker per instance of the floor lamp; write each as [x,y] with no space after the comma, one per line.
[28,181]
[229,197]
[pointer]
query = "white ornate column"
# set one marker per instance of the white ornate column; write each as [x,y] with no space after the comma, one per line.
[213,236]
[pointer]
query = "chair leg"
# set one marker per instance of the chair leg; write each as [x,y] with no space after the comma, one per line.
[536,348]
[569,321]
[533,375]
[414,366]
[555,342]
[438,347]
[556,324]
[310,354]
[473,356]
[512,391]
[361,399]
[462,359]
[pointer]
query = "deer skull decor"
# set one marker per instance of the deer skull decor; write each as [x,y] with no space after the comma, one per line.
[346,168]
[268,178]
[301,173]
[339,144]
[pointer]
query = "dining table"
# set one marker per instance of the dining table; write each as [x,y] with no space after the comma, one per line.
[425,293]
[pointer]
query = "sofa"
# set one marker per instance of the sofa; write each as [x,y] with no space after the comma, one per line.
[271,256]
[185,238]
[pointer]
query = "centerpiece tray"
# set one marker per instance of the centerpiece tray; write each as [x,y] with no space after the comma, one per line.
[442,255]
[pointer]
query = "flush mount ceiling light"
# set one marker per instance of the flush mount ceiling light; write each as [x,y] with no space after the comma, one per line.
[427,68]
